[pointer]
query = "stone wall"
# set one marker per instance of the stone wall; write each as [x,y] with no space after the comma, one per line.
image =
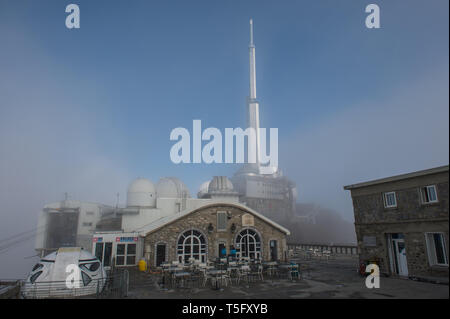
[200,221]
[411,218]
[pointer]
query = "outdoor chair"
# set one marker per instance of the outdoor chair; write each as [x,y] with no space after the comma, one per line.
[294,272]
[243,272]
[205,276]
[194,279]
[256,271]
[224,279]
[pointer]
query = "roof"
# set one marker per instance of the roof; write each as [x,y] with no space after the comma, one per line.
[440,169]
[164,221]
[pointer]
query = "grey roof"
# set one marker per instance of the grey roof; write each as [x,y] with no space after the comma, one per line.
[159,223]
[440,169]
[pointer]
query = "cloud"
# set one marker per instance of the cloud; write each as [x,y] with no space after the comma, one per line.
[49,144]
[404,132]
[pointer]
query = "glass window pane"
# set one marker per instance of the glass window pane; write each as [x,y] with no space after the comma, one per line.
[439,247]
[120,260]
[99,251]
[108,254]
[424,195]
[131,249]
[131,260]
[120,249]
[432,193]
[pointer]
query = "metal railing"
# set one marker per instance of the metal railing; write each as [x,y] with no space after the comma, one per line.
[114,286]
[337,249]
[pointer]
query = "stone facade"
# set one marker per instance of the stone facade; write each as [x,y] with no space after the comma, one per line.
[202,220]
[411,217]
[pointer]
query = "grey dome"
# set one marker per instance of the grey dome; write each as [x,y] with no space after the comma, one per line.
[171,187]
[220,184]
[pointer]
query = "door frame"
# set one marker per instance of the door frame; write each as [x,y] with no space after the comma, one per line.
[394,257]
[166,252]
[276,248]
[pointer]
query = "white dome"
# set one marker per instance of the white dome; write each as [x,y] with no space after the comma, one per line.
[171,187]
[52,268]
[220,184]
[203,190]
[141,192]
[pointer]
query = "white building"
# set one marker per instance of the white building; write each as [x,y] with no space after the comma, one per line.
[71,223]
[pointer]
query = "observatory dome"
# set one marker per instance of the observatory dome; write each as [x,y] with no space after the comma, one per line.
[203,190]
[220,184]
[141,193]
[171,187]
[48,278]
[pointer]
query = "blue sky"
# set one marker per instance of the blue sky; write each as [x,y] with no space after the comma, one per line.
[87,110]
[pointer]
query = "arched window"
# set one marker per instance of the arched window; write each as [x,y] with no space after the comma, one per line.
[191,243]
[248,243]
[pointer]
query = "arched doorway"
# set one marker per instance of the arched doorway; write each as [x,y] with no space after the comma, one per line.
[248,244]
[191,244]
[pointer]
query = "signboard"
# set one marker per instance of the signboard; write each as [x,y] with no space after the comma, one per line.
[248,220]
[126,239]
[97,239]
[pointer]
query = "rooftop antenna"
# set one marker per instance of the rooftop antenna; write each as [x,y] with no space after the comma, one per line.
[66,198]
[251,32]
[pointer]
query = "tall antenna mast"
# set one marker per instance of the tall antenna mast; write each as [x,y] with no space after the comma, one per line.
[253,106]
[251,48]
[251,32]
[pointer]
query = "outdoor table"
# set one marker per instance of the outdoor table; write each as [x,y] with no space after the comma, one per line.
[167,273]
[271,267]
[182,274]
[285,268]
[217,274]
[232,270]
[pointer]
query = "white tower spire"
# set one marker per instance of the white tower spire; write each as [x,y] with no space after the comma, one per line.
[252,104]
[251,48]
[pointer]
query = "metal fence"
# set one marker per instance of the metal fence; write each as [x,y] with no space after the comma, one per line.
[335,249]
[114,286]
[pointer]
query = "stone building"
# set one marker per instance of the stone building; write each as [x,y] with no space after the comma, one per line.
[401,223]
[163,223]
[203,233]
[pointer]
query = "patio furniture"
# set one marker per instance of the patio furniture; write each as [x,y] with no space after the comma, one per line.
[243,272]
[232,270]
[180,277]
[194,279]
[256,271]
[271,268]
[294,272]
[219,278]
[283,270]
